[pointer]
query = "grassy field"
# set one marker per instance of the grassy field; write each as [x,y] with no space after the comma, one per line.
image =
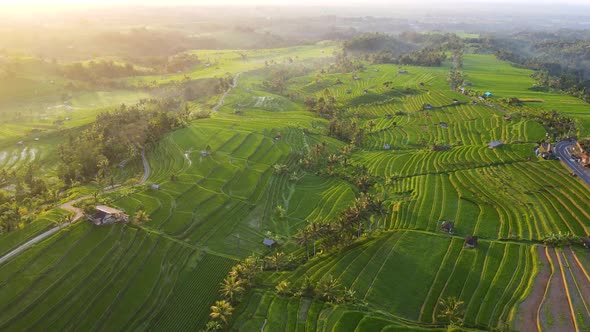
[505,81]
[213,209]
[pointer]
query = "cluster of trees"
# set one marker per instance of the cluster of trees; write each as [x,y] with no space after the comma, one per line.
[430,57]
[455,75]
[560,239]
[557,124]
[31,196]
[116,136]
[407,48]
[326,289]
[96,70]
[344,230]
[233,287]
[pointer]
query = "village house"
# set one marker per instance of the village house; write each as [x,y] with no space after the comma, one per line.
[106,215]
[447,226]
[586,242]
[471,242]
[584,154]
[443,125]
[495,144]
[386,146]
[269,242]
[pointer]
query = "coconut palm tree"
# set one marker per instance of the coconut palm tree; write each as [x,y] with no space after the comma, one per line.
[451,310]
[302,238]
[232,288]
[283,288]
[277,260]
[328,288]
[141,217]
[222,310]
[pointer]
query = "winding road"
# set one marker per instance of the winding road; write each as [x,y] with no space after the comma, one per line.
[78,213]
[562,151]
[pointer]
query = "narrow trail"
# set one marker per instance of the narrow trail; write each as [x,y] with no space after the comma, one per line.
[220,102]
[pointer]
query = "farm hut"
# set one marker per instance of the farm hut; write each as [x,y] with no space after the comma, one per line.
[20,143]
[388,116]
[427,107]
[586,242]
[421,83]
[495,144]
[68,119]
[443,125]
[487,94]
[455,101]
[471,241]
[365,91]
[277,136]
[402,71]
[348,91]
[204,153]
[269,242]
[447,226]
[155,186]
[106,215]
[386,146]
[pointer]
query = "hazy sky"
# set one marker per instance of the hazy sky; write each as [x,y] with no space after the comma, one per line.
[53,3]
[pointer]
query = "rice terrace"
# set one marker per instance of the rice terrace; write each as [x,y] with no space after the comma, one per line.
[246,175]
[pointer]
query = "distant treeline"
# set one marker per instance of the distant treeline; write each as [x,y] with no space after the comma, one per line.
[108,69]
[408,48]
[561,60]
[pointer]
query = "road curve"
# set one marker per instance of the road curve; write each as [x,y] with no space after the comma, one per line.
[78,214]
[146,168]
[561,150]
[69,206]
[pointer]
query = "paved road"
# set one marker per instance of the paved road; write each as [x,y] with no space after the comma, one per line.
[78,214]
[220,102]
[561,150]
[146,168]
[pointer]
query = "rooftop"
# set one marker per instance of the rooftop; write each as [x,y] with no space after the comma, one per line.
[108,209]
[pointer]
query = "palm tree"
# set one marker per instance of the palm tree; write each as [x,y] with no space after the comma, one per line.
[232,288]
[283,288]
[222,311]
[302,238]
[277,260]
[141,217]
[327,288]
[451,310]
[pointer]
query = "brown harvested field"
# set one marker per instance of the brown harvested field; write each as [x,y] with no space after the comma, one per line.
[526,318]
[555,314]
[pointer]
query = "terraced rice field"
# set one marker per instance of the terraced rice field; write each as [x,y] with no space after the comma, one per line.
[214,208]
